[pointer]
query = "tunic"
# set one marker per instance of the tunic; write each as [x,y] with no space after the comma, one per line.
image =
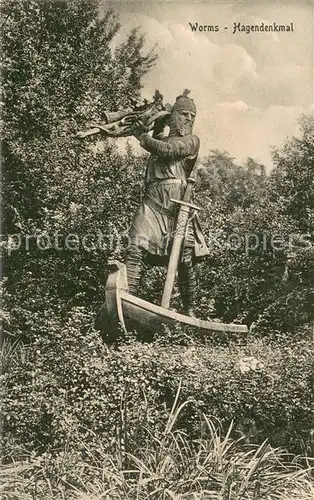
[171,162]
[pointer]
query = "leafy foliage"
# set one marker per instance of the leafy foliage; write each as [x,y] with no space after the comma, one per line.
[67,382]
[260,233]
[60,70]
[215,467]
[74,405]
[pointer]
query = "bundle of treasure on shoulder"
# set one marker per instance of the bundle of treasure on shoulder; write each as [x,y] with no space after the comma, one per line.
[123,123]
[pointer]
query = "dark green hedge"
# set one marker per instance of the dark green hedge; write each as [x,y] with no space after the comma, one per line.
[68,385]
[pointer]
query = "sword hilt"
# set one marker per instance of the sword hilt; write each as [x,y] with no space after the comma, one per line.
[185,203]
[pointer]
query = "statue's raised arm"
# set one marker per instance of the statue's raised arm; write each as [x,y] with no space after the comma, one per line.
[125,122]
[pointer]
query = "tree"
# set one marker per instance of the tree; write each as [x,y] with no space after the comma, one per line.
[291,189]
[292,179]
[60,70]
[265,274]
[230,185]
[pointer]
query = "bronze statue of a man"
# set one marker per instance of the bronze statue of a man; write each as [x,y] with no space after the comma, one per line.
[171,162]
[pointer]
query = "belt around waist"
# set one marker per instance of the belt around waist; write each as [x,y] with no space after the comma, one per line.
[165,181]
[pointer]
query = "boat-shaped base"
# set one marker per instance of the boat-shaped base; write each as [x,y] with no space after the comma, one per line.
[126,311]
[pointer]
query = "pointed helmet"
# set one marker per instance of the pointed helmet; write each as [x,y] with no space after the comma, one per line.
[178,124]
[183,102]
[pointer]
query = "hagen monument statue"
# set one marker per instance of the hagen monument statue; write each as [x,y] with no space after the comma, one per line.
[165,229]
[170,164]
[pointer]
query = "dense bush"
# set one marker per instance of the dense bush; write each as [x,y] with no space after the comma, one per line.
[59,65]
[67,384]
[213,466]
[260,232]
[173,465]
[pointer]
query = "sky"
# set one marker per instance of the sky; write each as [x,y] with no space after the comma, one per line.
[249,89]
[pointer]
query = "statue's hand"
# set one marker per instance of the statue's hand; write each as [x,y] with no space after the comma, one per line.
[160,124]
[139,129]
[161,121]
[137,133]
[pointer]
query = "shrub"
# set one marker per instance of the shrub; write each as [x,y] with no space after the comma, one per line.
[67,381]
[171,465]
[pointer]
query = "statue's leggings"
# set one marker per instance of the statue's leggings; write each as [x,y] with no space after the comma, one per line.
[186,274]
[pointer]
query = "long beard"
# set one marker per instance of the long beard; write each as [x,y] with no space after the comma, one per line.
[184,129]
[179,126]
[181,129]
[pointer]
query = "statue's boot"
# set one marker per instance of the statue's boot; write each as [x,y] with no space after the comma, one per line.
[187,286]
[134,268]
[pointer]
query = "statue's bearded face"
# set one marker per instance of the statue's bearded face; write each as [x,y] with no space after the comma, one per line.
[182,122]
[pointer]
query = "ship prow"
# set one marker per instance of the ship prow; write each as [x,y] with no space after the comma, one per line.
[126,311]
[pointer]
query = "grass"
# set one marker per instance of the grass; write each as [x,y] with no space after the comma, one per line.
[169,466]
